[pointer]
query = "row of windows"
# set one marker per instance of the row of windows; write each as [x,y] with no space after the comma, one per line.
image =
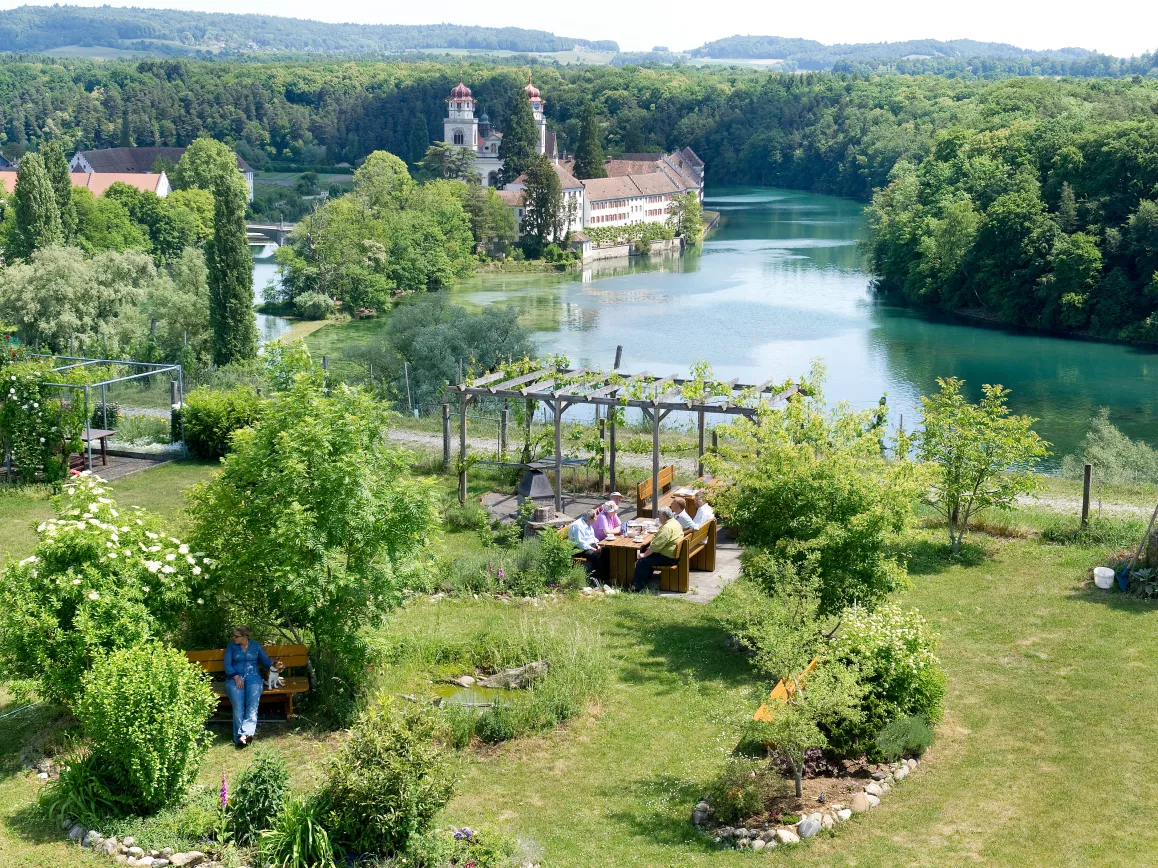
[608,218]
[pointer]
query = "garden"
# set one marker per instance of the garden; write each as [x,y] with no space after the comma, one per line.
[946,676]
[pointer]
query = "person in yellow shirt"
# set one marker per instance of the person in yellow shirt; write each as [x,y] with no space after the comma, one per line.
[661,552]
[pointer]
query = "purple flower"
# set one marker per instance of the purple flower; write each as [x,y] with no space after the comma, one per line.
[501,573]
[224,791]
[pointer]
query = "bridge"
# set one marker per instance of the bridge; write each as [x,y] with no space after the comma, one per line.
[263,233]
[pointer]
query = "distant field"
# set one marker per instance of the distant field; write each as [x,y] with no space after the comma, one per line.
[93,52]
[736,61]
[288,179]
[577,56]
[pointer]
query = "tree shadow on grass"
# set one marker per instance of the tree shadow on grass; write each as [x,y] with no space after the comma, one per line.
[660,808]
[1114,599]
[30,825]
[676,649]
[926,558]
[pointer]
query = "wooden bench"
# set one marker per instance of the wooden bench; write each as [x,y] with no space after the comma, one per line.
[643,491]
[697,551]
[780,694]
[564,534]
[293,656]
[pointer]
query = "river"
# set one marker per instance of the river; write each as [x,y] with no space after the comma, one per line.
[782,282]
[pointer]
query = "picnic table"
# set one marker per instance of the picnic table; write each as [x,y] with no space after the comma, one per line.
[101,435]
[621,551]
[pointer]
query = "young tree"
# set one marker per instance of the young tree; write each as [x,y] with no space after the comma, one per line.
[983,456]
[686,216]
[230,271]
[543,217]
[589,152]
[830,696]
[56,165]
[315,501]
[492,222]
[37,215]
[520,143]
[201,162]
[419,139]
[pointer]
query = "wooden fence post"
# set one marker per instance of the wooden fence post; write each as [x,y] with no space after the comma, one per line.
[464,401]
[446,436]
[1089,471]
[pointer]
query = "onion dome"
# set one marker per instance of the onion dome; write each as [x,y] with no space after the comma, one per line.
[483,119]
[530,90]
[460,91]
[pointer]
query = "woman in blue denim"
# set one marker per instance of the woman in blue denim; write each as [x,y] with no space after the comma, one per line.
[243,682]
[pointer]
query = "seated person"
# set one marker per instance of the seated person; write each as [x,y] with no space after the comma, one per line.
[582,534]
[607,521]
[679,508]
[661,552]
[243,682]
[704,511]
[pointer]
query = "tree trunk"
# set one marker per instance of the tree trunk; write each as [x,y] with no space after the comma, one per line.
[798,773]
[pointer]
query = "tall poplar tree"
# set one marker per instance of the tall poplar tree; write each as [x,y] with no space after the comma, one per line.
[419,140]
[589,152]
[520,144]
[230,270]
[543,219]
[56,165]
[37,217]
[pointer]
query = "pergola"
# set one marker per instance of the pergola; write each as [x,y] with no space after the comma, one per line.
[655,396]
[137,371]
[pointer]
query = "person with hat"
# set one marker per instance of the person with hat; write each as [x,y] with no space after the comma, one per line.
[607,522]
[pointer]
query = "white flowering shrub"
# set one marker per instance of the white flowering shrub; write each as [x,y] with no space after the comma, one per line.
[893,651]
[100,578]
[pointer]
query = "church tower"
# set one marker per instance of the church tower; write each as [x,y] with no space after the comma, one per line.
[537,104]
[460,126]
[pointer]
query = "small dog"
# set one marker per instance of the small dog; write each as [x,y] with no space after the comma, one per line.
[274,680]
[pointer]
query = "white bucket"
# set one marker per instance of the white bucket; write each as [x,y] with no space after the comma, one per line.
[1104,578]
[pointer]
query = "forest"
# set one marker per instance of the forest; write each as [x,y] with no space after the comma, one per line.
[173,31]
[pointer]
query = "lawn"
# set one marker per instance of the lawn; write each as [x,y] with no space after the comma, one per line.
[1044,757]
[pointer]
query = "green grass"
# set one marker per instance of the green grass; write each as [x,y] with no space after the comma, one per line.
[1045,757]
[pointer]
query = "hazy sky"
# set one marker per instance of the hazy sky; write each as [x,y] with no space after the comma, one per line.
[1121,27]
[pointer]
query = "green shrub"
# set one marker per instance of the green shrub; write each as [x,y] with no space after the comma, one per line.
[298,839]
[388,782]
[211,417]
[742,790]
[102,413]
[467,516]
[906,736]
[258,796]
[454,847]
[183,826]
[144,711]
[1116,458]
[1099,531]
[82,793]
[314,305]
[893,653]
[143,429]
[557,556]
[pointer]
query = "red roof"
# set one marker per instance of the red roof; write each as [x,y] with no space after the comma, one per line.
[530,90]
[460,91]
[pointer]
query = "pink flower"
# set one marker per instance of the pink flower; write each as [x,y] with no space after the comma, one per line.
[224,791]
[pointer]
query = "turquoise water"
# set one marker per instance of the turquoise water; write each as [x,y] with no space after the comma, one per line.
[782,282]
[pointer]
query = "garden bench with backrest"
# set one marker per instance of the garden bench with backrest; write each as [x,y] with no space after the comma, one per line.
[293,656]
[697,551]
[643,491]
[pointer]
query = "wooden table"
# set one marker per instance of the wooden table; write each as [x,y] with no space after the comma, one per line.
[667,497]
[620,552]
[102,435]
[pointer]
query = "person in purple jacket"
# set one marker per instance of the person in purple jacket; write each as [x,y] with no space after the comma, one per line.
[607,521]
[243,682]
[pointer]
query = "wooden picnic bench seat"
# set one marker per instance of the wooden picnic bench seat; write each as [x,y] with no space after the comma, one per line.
[643,491]
[780,694]
[697,551]
[565,536]
[293,656]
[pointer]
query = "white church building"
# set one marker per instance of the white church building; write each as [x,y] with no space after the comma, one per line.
[638,187]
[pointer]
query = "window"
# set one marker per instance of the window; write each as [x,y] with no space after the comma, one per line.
[458,137]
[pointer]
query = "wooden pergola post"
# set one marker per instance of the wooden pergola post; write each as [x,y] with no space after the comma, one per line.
[700,465]
[655,461]
[463,402]
[558,408]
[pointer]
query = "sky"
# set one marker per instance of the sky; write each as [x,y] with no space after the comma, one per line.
[1119,27]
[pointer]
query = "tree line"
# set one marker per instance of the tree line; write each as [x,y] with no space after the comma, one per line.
[174,31]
